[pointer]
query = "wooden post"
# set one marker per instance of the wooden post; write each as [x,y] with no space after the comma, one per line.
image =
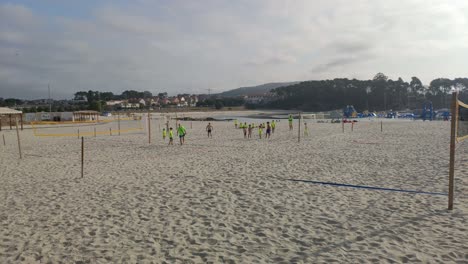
[176,122]
[299,130]
[342,125]
[18,137]
[149,128]
[4,142]
[453,128]
[381,126]
[352,126]
[82,157]
[21,118]
[118,122]
[110,131]
[94,131]
[10,123]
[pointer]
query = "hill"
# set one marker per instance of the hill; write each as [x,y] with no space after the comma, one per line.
[254,90]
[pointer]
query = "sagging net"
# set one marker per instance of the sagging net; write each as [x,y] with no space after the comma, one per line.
[462,122]
[87,128]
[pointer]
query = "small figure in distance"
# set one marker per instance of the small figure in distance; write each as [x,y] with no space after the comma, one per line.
[209,128]
[290,119]
[268,130]
[250,131]
[164,133]
[306,130]
[171,136]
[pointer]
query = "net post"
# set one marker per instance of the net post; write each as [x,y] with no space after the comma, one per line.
[95,131]
[381,126]
[118,122]
[299,129]
[4,142]
[18,137]
[176,123]
[82,157]
[453,127]
[342,125]
[110,131]
[149,128]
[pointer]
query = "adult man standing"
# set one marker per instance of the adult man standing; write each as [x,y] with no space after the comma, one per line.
[182,132]
[209,128]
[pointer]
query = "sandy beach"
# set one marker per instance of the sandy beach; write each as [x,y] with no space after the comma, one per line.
[235,200]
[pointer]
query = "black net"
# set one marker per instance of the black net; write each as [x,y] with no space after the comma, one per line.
[462,131]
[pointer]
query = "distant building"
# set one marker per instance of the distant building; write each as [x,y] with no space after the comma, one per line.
[114,103]
[165,101]
[259,98]
[193,100]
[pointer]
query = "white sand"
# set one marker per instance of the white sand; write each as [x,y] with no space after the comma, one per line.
[228,200]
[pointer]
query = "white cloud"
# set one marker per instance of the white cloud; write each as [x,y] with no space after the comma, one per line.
[185,46]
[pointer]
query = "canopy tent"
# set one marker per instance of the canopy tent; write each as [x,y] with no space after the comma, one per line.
[4,111]
[86,115]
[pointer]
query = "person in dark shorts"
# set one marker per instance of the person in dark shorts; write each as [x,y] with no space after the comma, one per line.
[182,132]
[209,128]
[268,130]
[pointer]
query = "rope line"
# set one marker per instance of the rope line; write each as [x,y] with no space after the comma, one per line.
[367,187]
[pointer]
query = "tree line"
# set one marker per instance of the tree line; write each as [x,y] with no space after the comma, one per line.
[97,100]
[378,94]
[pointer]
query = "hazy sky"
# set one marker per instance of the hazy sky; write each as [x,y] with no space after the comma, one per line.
[190,46]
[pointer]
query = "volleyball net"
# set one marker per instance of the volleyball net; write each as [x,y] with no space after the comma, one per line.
[114,126]
[316,116]
[458,132]
[462,121]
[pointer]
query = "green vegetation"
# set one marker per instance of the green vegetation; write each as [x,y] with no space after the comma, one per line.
[377,94]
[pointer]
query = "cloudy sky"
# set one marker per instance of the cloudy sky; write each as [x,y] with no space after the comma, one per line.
[191,46]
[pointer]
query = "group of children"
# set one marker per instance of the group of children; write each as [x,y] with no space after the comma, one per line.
[269,127]
[247,129]
[181,132]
